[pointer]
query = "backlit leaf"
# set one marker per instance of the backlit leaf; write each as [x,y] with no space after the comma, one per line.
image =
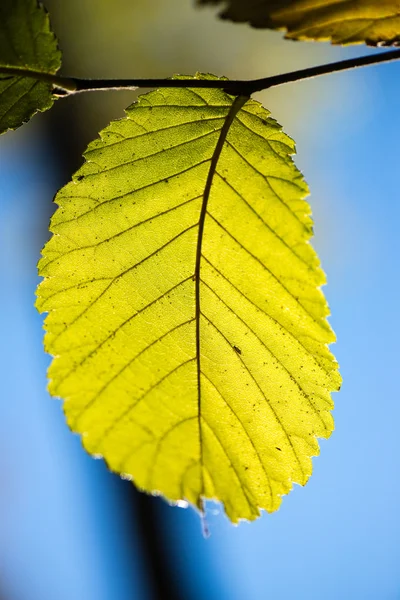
[185,316]
[26,43]
[341,21]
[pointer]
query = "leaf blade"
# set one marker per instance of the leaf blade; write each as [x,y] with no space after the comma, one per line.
[26,43]
[341,22]
[145,311]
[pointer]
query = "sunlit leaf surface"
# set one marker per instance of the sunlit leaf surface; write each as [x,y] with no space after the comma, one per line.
[341,21]
[185,316]
[26,43]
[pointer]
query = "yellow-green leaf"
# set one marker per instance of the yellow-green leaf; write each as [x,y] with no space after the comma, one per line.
[341,21]
[188,329]
[26,44]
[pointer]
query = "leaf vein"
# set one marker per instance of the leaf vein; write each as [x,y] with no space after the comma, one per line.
[264,266]
[270,316]
[116,235]
[120,327]
[115,279]
[158,448]
[245,431]
[292,250]
[131,407]
[14,104]
[278,420]
[116,198]
[266,178]
[162,129]
[126,366]
[163,151]
[304,394]
[244,489]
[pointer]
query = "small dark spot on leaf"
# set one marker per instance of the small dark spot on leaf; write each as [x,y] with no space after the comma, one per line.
[280,450]
[237,350]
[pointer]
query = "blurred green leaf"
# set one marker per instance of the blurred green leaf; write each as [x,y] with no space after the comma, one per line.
[188,329]
[26,43]
[340,21]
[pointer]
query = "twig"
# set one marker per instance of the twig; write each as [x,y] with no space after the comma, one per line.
[72,85]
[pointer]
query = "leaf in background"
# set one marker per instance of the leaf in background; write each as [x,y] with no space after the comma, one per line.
[27,43]
[340,21]
[185,316]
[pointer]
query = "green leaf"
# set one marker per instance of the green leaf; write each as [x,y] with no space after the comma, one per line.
[340,21]
[26,44]
[185,316]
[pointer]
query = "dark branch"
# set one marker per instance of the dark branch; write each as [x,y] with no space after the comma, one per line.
[342,65]
[245,88]
[68,86]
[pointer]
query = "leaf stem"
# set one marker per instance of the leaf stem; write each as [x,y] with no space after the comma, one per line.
[72,85]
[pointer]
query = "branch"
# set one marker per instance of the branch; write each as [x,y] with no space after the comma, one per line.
[343,65]
[69,85]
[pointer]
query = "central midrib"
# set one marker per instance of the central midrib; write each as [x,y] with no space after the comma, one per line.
[234,109]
